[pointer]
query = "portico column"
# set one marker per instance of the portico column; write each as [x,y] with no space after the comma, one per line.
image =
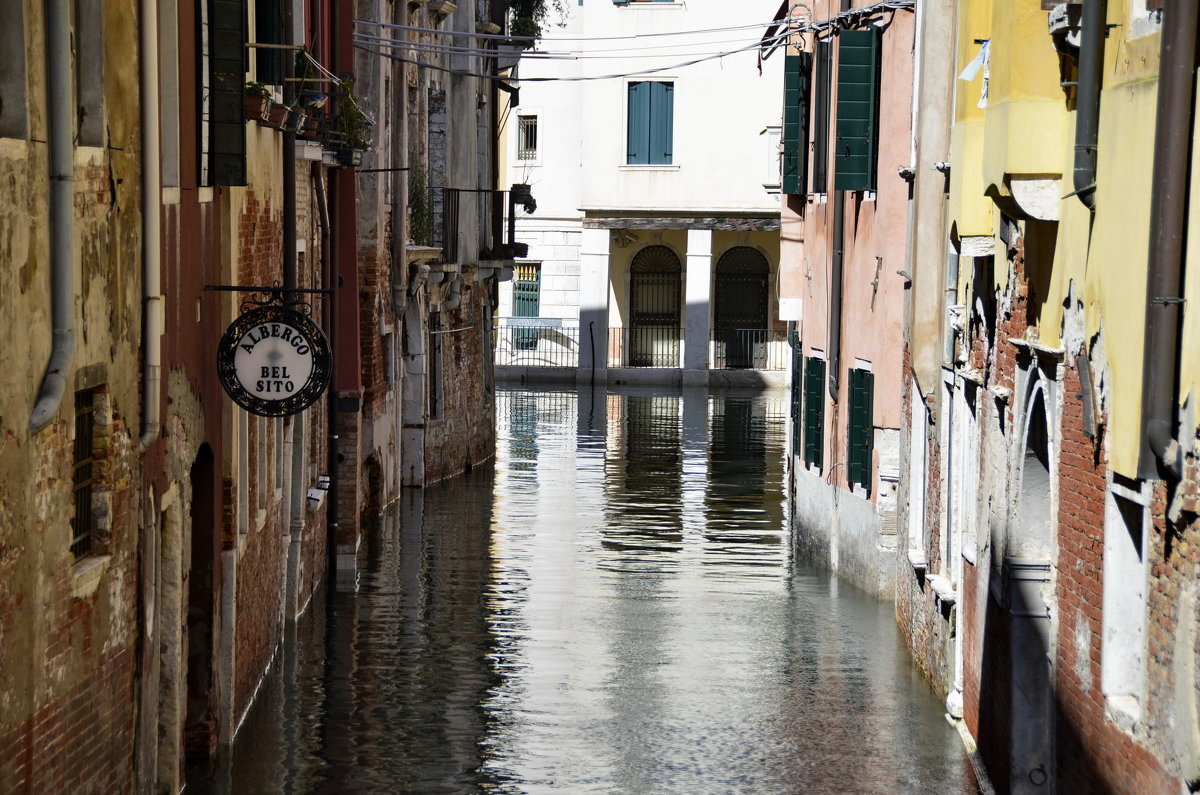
[698,292]
[593,306]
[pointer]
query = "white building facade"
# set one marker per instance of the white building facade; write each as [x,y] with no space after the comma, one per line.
[652,153]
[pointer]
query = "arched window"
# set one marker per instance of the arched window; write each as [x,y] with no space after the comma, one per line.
[741,306]
[655,288]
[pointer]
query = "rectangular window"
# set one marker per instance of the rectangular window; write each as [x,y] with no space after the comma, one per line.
[223,42]
[268,29]
[527,288]
[650,123]
[860,443]
[814,412]
[821,102]
[89,72]
[797,71]
[13,87]
[527,138]
[435,366]
[84,476]
[857,109]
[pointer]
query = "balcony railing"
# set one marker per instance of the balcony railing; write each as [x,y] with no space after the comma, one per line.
[537,342]
[645,346]
[750,349]
[446,212]
[554,342]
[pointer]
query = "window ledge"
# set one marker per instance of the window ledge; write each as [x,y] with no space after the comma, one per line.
[944,589]
[1124,710]
[86,575]
[917,558]
[649,167]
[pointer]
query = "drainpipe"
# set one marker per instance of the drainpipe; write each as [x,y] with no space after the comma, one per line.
[329,280]
[290,94]
[1087,103]
[835,296]
[60,96]
[152,300]
[1168,224]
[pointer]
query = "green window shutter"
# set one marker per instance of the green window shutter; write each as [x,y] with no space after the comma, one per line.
[814,411]
[662,121]
[857,110]
[527,298]
[797,398]
[797,71]
[821,98]
[861,431]
[227,85]
[268,29]
[637,135]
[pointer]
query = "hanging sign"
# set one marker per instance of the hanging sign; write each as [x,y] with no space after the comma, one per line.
[273,361]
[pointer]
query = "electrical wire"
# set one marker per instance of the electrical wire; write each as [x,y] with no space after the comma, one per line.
[539,55]
[510,38]
[572,78]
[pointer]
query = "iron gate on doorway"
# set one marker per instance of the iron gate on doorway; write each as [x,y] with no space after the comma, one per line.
[655,286]
[741,332]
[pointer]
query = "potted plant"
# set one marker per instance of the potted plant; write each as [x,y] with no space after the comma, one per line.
[277,115]
[258,101]
[353,128]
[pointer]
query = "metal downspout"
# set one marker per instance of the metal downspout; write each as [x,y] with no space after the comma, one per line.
[835,295]
[152,300]
[60,95]
[1168,225]
[329,280]
[1087,102]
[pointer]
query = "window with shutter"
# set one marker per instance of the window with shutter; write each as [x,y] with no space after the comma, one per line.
[527,294]
[857,110]
[821,96]
[650,123]
[797,396]
[814,412]
[268,29]
[797,71]
[227,83]
[861,430]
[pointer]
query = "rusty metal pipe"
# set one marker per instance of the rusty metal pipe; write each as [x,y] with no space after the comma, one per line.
[1170,182]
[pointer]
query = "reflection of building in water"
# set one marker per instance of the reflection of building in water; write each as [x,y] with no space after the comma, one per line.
[642,484]
[743,510]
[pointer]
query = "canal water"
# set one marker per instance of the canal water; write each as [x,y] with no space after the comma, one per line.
[612,607]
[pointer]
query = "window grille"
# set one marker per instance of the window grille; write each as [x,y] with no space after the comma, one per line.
[527,137]
[84,476]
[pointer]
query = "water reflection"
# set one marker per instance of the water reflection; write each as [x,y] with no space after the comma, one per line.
[614,610]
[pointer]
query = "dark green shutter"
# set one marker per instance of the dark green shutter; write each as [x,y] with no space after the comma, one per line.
[857,110]
[662,121]
[797,71]
[821,97]
[227,84]
[527,303]
[797,395]
[861,431]
[268,29]
[814,412]
[638,127]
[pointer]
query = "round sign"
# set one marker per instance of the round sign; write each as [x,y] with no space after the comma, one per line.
[273,361]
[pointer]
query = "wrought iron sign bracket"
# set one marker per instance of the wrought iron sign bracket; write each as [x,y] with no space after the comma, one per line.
[275,294]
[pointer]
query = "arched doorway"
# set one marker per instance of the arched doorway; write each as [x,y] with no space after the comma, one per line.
[655,287]
[741,307]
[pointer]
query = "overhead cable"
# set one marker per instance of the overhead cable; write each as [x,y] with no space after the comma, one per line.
[567,79]
[509,38]
[541,55]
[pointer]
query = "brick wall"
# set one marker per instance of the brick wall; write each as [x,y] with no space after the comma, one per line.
[465,435]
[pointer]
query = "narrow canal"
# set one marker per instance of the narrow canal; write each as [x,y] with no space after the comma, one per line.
[612,608]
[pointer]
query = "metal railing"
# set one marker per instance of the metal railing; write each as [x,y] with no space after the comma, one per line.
[445,210]
[536,342]
[750,349]
[645,346]
[554,342]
